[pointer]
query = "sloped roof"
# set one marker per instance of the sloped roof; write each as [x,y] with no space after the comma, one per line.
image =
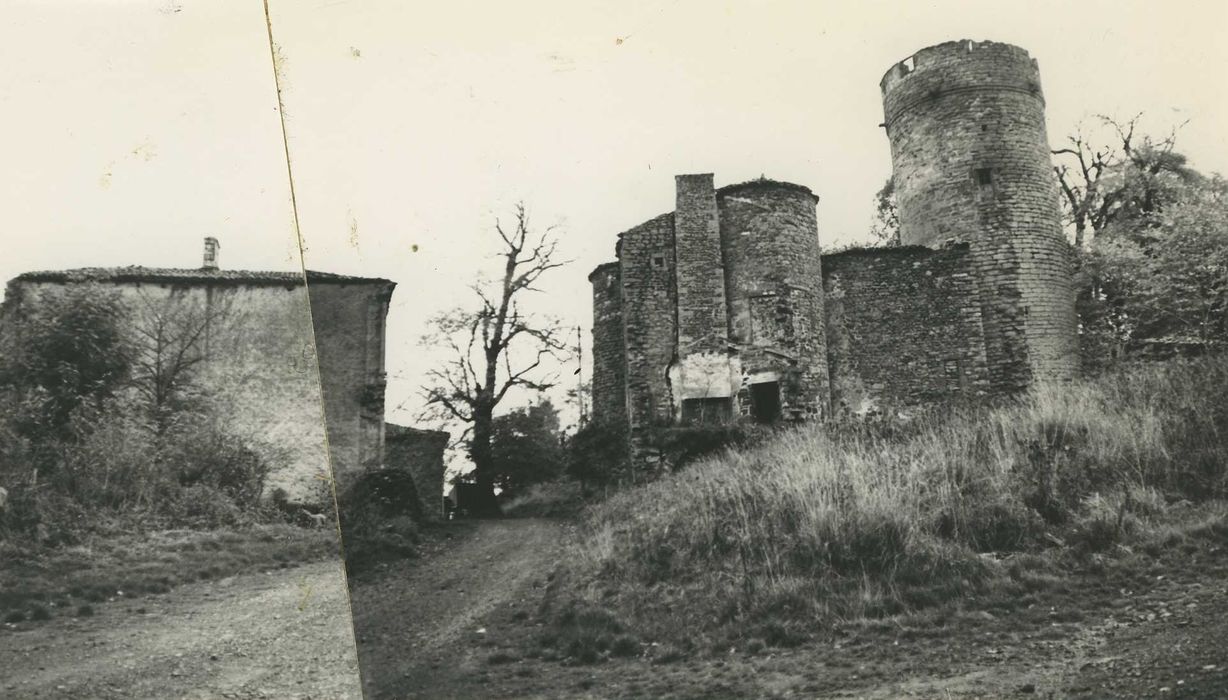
[136,273]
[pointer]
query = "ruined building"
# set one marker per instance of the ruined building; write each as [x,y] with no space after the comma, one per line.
[726,307]
[258,354]
[419,452]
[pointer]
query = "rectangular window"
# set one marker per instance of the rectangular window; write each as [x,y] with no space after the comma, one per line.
[707,411]
[984,177]
[658,261]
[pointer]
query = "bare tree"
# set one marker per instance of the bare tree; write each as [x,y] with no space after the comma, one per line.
[173,336]
[1127,175]
[499,346]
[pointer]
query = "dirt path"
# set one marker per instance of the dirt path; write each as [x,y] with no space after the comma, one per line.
[283,634]
[459,624]
[418,622]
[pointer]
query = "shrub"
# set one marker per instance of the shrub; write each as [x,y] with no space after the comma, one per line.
[597,454]
[379,513]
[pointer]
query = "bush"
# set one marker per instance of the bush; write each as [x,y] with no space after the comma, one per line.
[379,514]
[597,454]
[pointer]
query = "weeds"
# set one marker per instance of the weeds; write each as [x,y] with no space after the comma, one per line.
[838,522]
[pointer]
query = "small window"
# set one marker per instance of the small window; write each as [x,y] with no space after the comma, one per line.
[706,411]
[984,177]
[953,371]
[658,261]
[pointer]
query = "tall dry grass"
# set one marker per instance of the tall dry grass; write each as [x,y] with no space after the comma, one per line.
[855,520]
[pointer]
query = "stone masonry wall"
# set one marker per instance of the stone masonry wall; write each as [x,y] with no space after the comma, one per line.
[646,270]
[349,324]
[421,453]
[770,247]
[702,369]
[609,360]
[903,327]
[971,163]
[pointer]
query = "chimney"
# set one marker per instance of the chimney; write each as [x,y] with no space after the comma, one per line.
[211,249]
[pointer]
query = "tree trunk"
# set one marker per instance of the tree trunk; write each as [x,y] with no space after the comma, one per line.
[479,452]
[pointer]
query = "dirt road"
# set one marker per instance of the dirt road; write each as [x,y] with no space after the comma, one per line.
[421,623]
[283,634]
[460,623]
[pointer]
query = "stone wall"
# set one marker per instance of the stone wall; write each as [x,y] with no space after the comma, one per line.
[772,273]
[971,163]
[420,452]
[609,360]
[903,327]
[349,319]
[646,269]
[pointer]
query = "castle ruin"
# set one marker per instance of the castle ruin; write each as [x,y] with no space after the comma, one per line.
[726,307]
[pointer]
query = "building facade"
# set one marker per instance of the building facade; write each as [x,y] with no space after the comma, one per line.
[726,307]
[278,351]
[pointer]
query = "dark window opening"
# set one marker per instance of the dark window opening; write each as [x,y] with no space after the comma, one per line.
[984,177]
[658,261]
[765,402]
[706,411]
[954,372]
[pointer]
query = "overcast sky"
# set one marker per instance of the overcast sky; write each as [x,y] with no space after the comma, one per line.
[132,129]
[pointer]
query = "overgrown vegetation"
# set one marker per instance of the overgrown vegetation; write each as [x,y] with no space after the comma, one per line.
[105,426]
[839,522]
[380,519]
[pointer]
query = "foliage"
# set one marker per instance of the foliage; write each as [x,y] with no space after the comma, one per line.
[525,447]
[1149,232]
[597,454]
[681,445]
[497,346]
[379,513]
[59,353]
[886,227]
[1166,274]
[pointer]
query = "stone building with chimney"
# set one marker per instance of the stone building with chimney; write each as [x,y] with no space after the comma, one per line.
[726,307]
[271,345]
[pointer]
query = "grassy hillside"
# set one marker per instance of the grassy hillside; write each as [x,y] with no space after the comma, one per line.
[834,523]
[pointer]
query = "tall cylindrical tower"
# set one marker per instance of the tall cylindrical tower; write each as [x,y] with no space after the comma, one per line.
[774,292]
[609,358]
[970,161]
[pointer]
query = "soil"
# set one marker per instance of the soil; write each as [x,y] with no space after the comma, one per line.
[461,622]
[280,634]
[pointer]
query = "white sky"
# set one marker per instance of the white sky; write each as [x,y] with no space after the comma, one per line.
[132,129]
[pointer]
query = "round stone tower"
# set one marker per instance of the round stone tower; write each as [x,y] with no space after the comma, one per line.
[971,163]
[774,295]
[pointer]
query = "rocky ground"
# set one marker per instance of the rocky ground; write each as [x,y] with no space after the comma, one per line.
[281,634]
[460,623]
